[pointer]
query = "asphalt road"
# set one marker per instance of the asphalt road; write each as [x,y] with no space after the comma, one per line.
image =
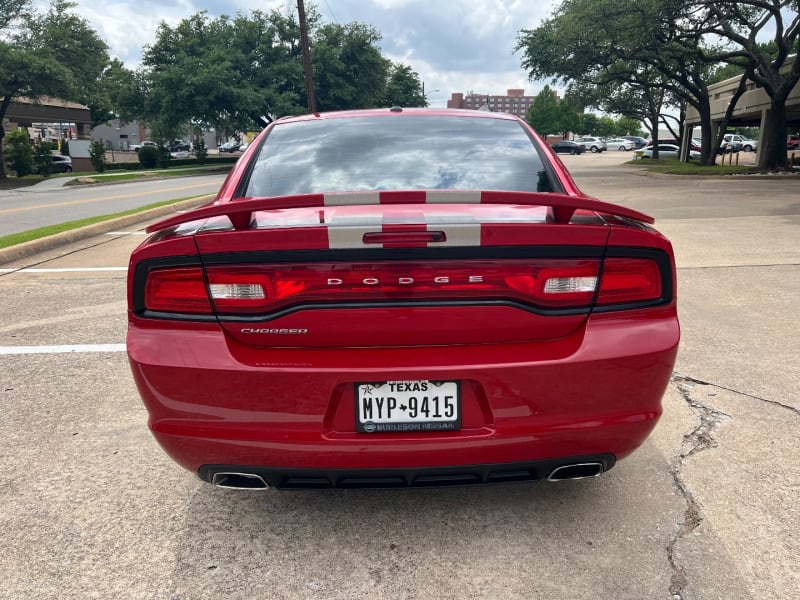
[52,203]
[90,507]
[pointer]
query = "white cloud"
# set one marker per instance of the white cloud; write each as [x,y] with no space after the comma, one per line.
[454,46]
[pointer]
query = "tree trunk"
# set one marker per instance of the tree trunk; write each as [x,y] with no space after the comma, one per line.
[772,153]
[708,149]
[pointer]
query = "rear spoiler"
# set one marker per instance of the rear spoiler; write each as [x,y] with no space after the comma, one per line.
[240,211]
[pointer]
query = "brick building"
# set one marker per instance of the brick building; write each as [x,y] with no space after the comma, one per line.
[515,102]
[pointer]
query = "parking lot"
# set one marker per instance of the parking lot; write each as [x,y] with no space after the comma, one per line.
[707,508]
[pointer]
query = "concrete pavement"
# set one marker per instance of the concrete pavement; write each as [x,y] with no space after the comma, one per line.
[706,508]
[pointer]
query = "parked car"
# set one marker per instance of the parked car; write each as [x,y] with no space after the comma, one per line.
[369,302]
[792,142]
[567,147]
[242,147]
[593,144]
[668,151]
[638,142]
[695,145]
[180,154]
[229,147]
[136,147]
[621,144]
[180,146]
[745,144]
[59,163]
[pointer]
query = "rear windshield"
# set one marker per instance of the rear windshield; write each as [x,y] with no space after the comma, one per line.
[397,153]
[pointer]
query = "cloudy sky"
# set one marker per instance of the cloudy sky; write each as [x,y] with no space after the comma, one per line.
[455,46]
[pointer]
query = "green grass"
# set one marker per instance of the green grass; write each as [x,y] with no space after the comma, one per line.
[129,175]
[10,183]
[34,234]
[672,166]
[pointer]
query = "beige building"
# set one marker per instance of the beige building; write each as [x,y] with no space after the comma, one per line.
[750,109]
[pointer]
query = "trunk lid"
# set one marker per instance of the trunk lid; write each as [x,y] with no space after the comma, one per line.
[359,273]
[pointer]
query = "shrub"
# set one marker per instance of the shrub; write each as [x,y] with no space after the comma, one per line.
[97,154]
[43,158]
[148,156]
[163,157]
[18,152]
[201,150]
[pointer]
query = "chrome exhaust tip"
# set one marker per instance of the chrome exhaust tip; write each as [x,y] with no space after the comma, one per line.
[576,471]
[239,481]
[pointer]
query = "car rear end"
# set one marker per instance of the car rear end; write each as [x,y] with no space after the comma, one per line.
[392,299]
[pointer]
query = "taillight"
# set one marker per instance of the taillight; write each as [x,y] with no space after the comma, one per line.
[266,288]
[261,289]
[178,290]
[627,280]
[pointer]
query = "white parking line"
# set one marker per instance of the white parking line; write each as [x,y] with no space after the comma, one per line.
[7,350]
[65,270]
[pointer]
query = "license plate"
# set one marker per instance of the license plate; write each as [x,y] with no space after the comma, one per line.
[421,405]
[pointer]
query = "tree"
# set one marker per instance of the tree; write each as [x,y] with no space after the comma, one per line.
[682,41]
[238,74]
[569,119]
[223,73]
[97,154]
[776,72]
[43,157]
[19,152]
[118,95]
[349,70]
[588,124]
[51,54]
[569,47]
[650,45]
[544,114]
[403,87]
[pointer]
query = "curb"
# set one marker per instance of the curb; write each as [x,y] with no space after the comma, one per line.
[26,249]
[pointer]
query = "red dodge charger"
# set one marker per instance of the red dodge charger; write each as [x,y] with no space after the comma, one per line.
[399,298]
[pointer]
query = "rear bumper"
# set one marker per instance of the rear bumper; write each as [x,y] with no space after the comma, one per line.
[213,401]
[578,467]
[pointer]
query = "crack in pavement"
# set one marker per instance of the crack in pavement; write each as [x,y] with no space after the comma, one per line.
[688,379]
[701,438]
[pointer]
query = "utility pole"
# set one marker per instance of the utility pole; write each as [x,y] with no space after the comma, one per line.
[301,11]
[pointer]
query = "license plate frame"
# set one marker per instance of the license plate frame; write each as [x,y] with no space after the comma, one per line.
[397,406]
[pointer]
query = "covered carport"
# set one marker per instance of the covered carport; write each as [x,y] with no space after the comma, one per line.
[750,110]
[25,112]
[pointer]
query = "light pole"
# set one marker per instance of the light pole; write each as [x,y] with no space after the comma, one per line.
[301,13]
[424,97]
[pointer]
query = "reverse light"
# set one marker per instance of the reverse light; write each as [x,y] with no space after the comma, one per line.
[567,285]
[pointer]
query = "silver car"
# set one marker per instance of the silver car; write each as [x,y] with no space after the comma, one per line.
[593,144]
[620,144]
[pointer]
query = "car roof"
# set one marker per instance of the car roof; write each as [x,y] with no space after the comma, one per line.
[400,111]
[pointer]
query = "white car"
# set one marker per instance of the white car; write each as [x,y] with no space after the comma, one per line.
[135,147]
[620,144]
[745,144]
[668,151]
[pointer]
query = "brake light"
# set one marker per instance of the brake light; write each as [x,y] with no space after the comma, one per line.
[261,289]
[179,290]
[628,280]
[266,288]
